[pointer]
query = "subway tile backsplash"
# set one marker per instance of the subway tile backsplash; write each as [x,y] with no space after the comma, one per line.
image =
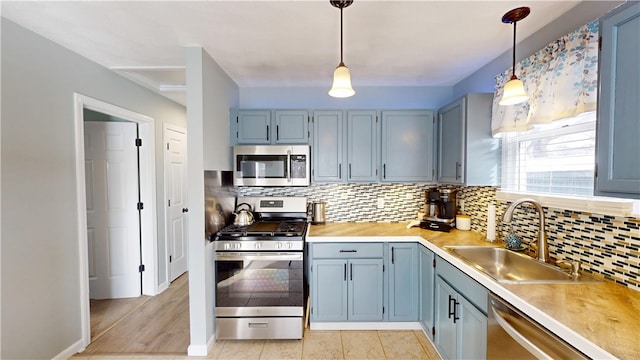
[605,245]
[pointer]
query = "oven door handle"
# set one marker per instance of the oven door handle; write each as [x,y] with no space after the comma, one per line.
[239,256]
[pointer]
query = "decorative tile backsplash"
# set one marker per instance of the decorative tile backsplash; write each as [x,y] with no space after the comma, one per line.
[605,245]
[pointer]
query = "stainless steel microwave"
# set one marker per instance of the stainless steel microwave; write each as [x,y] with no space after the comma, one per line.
[271,165]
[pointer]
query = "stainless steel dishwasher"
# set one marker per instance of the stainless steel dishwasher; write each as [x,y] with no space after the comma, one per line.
[513,335]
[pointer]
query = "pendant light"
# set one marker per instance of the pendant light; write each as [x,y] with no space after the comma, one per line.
[513,92]
[341,77]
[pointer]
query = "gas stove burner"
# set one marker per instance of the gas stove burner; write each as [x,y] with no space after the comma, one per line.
[264,231]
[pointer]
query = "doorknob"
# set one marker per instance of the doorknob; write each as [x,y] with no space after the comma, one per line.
[184,210]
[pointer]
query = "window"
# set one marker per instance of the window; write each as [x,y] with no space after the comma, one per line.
[556,158]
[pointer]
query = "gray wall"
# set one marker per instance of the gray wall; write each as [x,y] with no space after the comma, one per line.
[40,254]
[210,95]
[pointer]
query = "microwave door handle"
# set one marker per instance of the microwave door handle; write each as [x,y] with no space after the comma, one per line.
[289,166]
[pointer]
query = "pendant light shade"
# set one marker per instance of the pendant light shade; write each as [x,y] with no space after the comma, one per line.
[341,82]
[513,92]
[341,87]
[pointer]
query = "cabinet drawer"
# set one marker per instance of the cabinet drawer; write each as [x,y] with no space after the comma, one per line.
[347,250]
[469,288]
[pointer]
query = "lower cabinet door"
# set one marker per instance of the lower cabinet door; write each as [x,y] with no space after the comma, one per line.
[329,293]
[403,282]
[445,338]
[365,290]
[472,331]
[427,272]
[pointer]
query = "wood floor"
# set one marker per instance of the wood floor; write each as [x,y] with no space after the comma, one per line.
[158,324]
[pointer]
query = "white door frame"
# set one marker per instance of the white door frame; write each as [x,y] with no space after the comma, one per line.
[146,129]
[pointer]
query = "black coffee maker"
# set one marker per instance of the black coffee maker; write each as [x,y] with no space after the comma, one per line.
[441,206]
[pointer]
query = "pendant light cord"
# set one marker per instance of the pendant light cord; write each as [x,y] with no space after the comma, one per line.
[341,62]
[513,68]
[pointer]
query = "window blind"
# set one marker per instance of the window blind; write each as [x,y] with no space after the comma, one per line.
[556,158]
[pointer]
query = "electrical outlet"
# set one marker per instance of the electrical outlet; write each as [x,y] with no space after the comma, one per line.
[380,203]
[461,205]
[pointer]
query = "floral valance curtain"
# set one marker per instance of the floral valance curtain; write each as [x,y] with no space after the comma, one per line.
[561,81]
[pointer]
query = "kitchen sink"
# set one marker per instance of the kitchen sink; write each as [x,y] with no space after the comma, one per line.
[511,267]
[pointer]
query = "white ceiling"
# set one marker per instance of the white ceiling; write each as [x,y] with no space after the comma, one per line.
[286,43]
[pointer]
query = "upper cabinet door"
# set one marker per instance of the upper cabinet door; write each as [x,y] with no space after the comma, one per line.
[327,149]
[291,127]
[407,146]
[253,127]
[451,135]
[362,145]
[618,128]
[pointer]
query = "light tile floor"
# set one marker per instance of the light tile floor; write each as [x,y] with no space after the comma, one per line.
[315,345]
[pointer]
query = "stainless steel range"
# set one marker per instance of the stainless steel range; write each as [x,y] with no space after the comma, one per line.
[259,271]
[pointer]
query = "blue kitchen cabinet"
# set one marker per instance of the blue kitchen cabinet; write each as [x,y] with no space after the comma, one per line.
[427,278]
[329,291]
[263,127]
[365,290]
[347,282]
[291,127]
[618,124]
[362,146]
[403,281]
[407,146]
[252,127]
[345,150]
[460,314]
[467,152]
[327,147]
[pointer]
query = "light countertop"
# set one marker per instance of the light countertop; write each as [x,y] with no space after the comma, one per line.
[601,319]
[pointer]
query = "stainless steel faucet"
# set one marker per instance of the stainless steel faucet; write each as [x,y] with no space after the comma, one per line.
[543,250]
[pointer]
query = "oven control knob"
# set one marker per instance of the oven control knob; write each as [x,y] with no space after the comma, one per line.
[226,246]
[237,246]
[279,245]
[258,245]
[289,244]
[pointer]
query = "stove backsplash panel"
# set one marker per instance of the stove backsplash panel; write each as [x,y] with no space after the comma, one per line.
[605,245]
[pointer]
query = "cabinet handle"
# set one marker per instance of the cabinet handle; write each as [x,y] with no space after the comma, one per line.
[348,251]
[458,166]
[340,171]
[451,312]
[267,132]
[393,261]
[349,170]
[277,132]
[384,171]
[351,272]
[345,271]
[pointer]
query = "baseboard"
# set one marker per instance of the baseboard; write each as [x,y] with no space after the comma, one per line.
[70,351]
[201,350]
[366,326]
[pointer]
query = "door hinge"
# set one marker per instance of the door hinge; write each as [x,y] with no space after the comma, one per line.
[312,119]
[170,258]
[140,206]
[434,262]
[433,331]
[383,309]
[237,119]
[141,268]
[138,142]
[382,267]
[595,171]
[167,146]
[168,202]
[237,135]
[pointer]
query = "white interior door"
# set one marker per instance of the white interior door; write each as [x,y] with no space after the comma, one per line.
[176,194]
[113,226]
